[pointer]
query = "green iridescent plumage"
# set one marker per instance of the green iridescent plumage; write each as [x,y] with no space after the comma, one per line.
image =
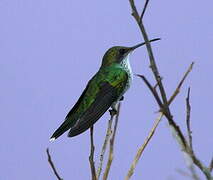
[102,92]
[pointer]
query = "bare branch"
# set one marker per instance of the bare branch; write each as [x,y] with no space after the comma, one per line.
[107,137]
[144,10]
[176,131]
[52,165]
[134,11]
[112,140]
[189,132]
[202,167]
[152,89]
[141,149]
[153,67]
[177,90]
[188,111]
[91,156]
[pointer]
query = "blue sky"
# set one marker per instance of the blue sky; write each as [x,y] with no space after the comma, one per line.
[50,49]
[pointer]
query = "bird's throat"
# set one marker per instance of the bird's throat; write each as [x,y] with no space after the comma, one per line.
[126,65]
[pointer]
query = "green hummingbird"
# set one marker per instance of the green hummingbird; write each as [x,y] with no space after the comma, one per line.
[103,91]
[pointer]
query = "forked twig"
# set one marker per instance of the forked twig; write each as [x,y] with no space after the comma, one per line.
[91,156]
[111,147]
[52,165]
[176,92]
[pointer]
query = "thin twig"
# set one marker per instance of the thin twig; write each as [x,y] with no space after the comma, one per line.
[52,165]
[177,90]
[91,156]
[144,10]
[112,140]
[152,89]
[107,137]
[141,149]
[188,112]
[189,132]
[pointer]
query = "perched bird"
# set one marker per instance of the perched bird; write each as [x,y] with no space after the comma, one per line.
[103,91]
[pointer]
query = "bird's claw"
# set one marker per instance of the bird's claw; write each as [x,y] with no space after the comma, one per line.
[113,112]
[122,98]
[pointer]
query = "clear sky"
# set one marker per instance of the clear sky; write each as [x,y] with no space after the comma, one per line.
[49,49]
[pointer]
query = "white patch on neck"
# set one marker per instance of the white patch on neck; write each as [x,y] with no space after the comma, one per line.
[126,64]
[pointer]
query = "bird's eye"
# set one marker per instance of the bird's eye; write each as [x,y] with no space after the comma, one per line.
[122,51]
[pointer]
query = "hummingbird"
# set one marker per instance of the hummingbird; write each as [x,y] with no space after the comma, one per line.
[104,90]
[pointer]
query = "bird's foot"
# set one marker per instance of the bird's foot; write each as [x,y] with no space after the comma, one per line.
[122,98]
[113,112]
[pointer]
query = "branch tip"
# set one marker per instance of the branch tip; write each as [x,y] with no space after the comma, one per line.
[52,165]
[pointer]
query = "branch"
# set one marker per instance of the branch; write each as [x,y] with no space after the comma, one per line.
[190,152]
[112,140]
[188,112]
[177,90]
[157,76]
[141,149]
[107,137]
[144,10]
[158,100]
[153,65]
[152,89]
[52,165]
[165,110]
[91,156]
[189,132]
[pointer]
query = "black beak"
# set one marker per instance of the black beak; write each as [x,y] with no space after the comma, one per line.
[141,44]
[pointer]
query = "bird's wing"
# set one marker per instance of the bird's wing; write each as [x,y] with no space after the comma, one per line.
[70,118]
[109,91]
[94,101]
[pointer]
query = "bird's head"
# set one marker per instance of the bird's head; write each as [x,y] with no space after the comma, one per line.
[116,54]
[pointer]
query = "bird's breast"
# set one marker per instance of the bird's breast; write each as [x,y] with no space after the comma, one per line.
[127,67]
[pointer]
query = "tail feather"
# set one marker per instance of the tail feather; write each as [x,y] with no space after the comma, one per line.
[61,130]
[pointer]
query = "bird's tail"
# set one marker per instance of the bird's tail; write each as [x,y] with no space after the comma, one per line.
[61,130]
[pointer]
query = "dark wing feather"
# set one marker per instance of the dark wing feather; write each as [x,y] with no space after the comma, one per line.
[67,124]
[104,99]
